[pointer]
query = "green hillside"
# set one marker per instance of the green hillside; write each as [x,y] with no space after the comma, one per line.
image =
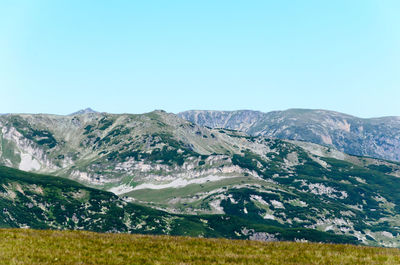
[23,246]
[46,202]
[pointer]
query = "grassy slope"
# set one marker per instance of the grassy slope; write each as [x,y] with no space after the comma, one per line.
[20,246]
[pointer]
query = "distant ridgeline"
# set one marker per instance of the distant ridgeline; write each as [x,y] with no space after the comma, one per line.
[377,137]
[211,182]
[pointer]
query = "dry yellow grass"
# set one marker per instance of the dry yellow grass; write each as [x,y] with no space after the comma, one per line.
[18,246]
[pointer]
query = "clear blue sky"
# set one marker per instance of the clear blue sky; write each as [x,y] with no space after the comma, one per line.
[136,56]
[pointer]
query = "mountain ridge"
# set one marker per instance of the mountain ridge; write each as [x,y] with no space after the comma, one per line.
[375,137]
[288,110]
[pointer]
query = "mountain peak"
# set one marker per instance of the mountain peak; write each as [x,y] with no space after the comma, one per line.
[84,111]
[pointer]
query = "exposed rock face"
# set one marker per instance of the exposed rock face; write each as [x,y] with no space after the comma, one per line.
[376,137]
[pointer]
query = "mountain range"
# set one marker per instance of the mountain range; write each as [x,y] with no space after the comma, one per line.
[225,175]
[376,137]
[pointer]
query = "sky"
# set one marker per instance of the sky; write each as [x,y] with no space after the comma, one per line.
[136,56]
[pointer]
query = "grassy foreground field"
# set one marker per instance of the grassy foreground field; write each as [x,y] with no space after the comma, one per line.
[21,246]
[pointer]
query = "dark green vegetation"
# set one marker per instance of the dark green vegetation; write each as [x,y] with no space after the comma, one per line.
[78,247]
[43,202]
[48,202]
[351,198]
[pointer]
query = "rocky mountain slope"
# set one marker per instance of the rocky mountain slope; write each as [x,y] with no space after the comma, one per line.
[377,137]
[160,160]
